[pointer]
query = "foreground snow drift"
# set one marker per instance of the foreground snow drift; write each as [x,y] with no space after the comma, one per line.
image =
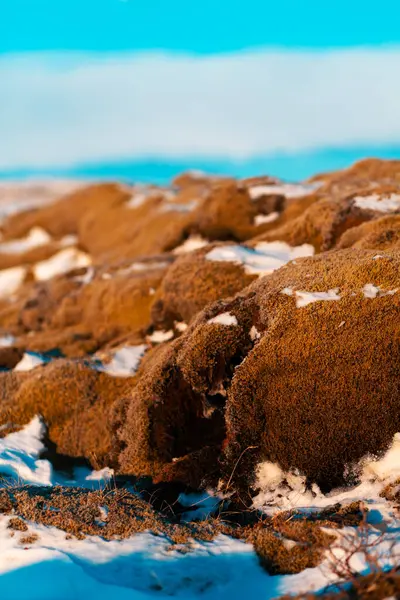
[43,563]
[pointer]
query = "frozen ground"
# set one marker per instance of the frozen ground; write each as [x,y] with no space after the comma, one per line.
[142,567]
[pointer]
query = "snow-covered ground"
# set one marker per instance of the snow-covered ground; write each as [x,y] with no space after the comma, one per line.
[143,567]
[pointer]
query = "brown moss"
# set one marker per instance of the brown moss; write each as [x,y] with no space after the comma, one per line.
[10,357]
[191,283]
[78,319]
[74,401]
[29,539]
[164,419]
[278,393]
[283,545]
[321,224]
[17,524]
[302,549]
[227,213]
[380,234]
[114,513]
[376,586]
[29,257]
[63,217]
[364,174]
[177,408]
[321,374]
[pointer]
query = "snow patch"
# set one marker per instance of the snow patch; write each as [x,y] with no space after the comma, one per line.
[6,341]
[87,277]
[290,190]
[10,280]
[193,243]
[254,333]
[279,490]
[305,298]
[36,237]
[263,219]
[378,203]
[140,267]
[62,262]
[202,505]
[20,452]
[20,196]
[137,200]
[20,462]
[29,361]
[265,258]
[125,361]
[68,240]
[158,337]
[224,319]
[372,291]
[388,467]
[177,207]
[103,475]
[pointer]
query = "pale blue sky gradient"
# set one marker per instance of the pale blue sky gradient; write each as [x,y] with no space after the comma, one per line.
[199,26]
[144,88]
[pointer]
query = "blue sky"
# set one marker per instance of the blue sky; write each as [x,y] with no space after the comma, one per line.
[129,87]
[202,26]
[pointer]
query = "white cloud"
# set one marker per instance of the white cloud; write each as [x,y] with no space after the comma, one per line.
[65,109]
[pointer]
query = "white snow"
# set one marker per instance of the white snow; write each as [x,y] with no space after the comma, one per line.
[125,361]
[262,219]
[201,504]
[378,203]
[372,291]
[224,319]
[29,361]
[68,240]
[62,262]
[20,196]
[290,190]
[10,280]
[194,242]
[20,462]
[140,567]
[180,326]
[160,336]
[138,199]
[103,475]
[287,291]
[265,258]
[19,455]
[305,298]
[6,341]
[57,568]
[87,277]
[254,333]
[36,237]
[139,267]
[388,467]
[142,192]
[287,490]
[178,207]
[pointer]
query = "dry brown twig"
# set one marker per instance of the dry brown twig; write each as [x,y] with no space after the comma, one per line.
[377,551]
